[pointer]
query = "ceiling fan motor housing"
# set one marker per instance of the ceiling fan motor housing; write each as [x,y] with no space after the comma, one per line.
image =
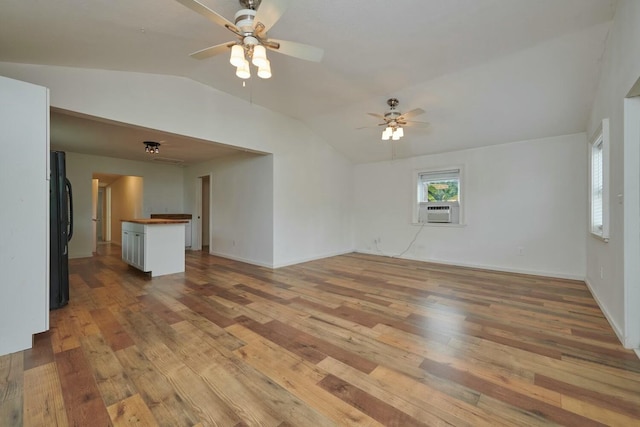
[244,19]
[250,4]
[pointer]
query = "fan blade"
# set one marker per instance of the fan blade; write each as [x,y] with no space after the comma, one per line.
[413,124]
[372,127]
[380,116]
[212,51]
[209,14]
[412,113]
[270,12]
[297,50]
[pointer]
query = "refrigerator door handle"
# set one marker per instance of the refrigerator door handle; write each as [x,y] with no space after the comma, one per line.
[67,183]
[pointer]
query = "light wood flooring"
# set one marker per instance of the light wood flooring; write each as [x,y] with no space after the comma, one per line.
[350,340]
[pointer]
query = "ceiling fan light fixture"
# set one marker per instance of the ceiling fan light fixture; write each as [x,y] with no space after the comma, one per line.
[243,70]
[400,132]
[395,136]
[259,56]
[237,55]
[386,134]
[264,72]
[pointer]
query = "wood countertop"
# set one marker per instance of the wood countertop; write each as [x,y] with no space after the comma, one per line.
[171,216]
[155,221]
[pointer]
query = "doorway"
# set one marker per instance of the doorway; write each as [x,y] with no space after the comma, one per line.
[100,215]
[115,197]
[203,213]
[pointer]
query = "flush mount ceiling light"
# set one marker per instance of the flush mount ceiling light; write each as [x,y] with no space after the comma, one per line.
[251,24]
[151,147]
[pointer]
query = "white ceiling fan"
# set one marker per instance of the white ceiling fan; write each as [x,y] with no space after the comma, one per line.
[251,25]
[394,121]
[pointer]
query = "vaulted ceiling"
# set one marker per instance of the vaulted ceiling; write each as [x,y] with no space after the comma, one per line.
[485,71]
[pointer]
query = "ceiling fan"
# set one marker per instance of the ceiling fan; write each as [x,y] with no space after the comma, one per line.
[251,25]
[394,120]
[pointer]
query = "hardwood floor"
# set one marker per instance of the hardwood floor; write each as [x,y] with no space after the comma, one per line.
[349,340]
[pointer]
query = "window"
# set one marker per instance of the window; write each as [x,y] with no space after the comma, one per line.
[598,191]
[438,196]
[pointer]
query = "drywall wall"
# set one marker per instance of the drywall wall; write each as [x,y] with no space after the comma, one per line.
[524,208]
[616,292]
[241,215]
[126,203]
[162,192]
[312,189]
[24,191]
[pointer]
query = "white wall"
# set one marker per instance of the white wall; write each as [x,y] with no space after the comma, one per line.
[241,215]
[620,70]
[126,203]
[24,235]
[312,191]
[527,194]
[162,192]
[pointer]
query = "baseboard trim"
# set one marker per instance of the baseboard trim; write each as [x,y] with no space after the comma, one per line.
[241,259]
[80,255]
[314,258]
[609,318]
[554,275]
[279,265]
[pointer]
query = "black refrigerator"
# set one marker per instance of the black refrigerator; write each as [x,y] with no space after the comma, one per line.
[61,229]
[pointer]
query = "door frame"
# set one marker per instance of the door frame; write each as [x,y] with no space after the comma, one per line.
[197,223]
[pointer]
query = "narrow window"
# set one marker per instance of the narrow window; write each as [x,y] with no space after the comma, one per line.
[598,191]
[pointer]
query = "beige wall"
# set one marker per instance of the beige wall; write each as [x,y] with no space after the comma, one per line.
[126,203]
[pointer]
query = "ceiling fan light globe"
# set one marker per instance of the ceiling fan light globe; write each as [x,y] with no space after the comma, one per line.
[264,72]
[237,56]
[400,132]
[243,71]
[259,56]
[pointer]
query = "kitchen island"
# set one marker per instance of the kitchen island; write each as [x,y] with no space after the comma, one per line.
[155,246]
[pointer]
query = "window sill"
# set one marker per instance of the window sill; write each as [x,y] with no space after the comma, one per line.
[438,224]
[600,237]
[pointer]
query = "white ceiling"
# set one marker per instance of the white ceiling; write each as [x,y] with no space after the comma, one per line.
[485,71]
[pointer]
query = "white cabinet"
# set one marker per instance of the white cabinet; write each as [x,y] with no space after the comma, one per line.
[154,246]
[187,234]
[180,216]
[133,244]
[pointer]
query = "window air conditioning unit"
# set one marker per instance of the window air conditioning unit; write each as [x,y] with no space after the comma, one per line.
[439,214]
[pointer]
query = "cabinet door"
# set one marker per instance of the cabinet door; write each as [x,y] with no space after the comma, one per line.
[126,246]
[138,250]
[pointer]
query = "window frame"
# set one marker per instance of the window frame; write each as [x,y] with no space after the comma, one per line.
[416,195]
[600,138]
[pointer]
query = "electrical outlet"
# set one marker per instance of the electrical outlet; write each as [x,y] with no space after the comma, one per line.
[520,250]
